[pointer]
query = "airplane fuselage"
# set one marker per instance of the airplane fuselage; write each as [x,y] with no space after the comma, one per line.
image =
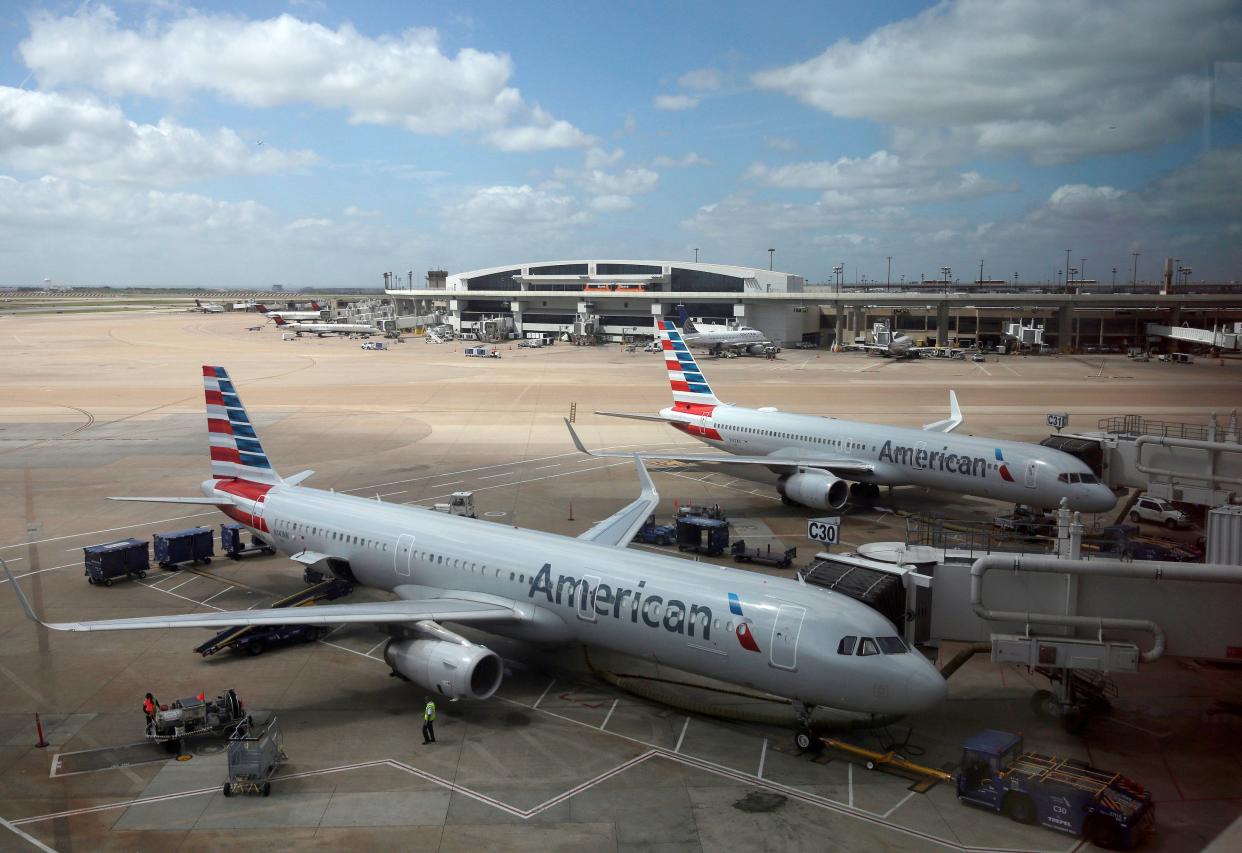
[1009,471]
[770,634]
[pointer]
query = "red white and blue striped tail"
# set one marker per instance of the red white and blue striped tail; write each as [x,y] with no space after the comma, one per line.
[235,449]
[691,393]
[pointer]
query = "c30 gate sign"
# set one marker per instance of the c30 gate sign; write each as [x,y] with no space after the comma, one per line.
[826,530]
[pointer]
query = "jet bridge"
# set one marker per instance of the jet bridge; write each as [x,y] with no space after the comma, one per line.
[1192,463]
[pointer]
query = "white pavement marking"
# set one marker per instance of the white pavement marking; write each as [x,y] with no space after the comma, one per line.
[542,467]
[351,651]
[390,494]
[105,530]
[40,571]
[27,836]
[376,646]
[453,483]
[183,583]
[543,694]
[221,592]
[608,716]
[682,736]
[901,803]
[763,754]
[850,776]
[494,476]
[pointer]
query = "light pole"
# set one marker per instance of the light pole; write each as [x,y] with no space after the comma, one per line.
[1015,279]
[1067,278]
[1114,288]
[981,272]
[888,281]
[1082,269]
[1134,281]
[947,272]
[771,258]
[696,254]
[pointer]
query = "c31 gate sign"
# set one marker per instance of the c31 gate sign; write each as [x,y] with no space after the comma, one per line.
[826,530]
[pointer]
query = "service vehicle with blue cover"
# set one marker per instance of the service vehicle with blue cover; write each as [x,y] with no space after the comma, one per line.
[1111,810]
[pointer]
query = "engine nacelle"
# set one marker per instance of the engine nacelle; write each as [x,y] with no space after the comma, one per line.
[453,670]
[756,349]
[818,490]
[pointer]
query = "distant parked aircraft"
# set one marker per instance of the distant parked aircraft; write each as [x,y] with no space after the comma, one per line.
[322,329]
[208,307]
[718,337]
[315,314]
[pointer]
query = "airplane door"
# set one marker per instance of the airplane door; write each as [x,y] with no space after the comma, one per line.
[403,554]
[1032,471]
[587,588]
[785,636]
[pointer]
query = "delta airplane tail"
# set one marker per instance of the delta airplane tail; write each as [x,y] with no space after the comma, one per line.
[691,393]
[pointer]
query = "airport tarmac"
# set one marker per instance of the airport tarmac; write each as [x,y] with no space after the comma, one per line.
[111,404]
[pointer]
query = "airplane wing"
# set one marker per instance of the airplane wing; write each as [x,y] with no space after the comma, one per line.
[619,528]
[952,422]
[372,613]
[834,464]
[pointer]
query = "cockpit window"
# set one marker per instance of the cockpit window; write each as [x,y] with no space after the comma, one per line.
[867,647]
[1089,478]
[846,646]
[891,645]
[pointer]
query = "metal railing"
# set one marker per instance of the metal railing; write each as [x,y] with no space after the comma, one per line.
[1136,425]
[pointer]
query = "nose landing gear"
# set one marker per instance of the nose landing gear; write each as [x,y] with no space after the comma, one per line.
[805,739]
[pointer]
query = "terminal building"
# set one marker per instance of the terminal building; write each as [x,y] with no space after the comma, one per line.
[619,299]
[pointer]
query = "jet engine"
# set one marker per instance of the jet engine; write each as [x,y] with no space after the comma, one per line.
[454,670]
[756,349]
[816,489]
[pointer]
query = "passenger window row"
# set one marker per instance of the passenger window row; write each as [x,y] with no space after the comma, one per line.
[334,535]
[814,439]
[871,646]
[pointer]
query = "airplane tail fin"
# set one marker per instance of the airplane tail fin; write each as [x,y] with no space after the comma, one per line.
[199,304]
[683,317]
[315,306]
[235,449]
[691,393]
[280,321]
[261,308]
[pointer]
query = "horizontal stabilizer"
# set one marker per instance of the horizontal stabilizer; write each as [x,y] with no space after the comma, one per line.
[159,500]
[298,477]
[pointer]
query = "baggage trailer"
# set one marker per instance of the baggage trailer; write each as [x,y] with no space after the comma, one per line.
[1064,794]
[234,547]
[708,536]
[762,556]
[256,749]
[656,534]
[126,558]
[254,639]
[192,717]
[193,545]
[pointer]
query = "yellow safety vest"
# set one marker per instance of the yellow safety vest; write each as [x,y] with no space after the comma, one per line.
[429,713]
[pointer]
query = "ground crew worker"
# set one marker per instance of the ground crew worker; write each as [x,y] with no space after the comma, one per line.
[429,719]
[149,707]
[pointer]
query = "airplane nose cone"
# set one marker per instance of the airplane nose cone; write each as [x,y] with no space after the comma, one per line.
[925,689]
[1101,499]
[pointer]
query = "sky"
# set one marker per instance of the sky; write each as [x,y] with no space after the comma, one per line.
[320,144]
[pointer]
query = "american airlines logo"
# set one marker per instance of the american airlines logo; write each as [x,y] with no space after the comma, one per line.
[673,616]
[935,460]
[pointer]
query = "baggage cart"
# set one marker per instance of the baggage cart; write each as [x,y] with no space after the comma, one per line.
[235,547]
[763,556]
[174,547]
[256,749]
[194,716]
[126,558]
[708,536]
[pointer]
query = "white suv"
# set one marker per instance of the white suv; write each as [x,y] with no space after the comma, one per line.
[1158,512]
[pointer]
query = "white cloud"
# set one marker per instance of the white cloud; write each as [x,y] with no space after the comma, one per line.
[506,209]
[630,182]
[401,80]
[1055,81]
[46,132]
[690,159]
[780,143]
[879,179]
[702,79]
[611,203]
[361,212]
[675,102]
[598,157]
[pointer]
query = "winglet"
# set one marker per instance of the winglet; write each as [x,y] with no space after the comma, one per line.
[21,596]
[577,441]
[644,478]
[952,422]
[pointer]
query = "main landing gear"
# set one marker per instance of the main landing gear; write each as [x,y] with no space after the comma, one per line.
[865,493]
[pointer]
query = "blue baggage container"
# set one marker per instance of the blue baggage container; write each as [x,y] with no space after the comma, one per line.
[234,547]
[194,545]
[126,558]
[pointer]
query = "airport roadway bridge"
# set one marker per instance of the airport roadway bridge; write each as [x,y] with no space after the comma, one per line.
[953,318]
